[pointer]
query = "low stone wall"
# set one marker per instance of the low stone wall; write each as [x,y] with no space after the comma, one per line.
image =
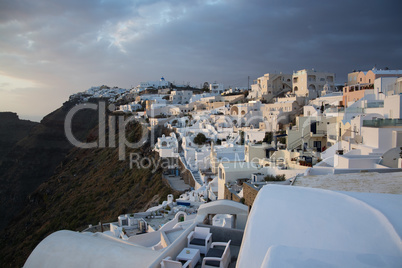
[220,234]
[166,181]
[186,174]
[231,195]
[249,194]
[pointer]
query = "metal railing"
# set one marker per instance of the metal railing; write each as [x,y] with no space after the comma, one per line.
[379,104]
[357,110]
[335,110]
[332,137]
[296,142]
[379,122]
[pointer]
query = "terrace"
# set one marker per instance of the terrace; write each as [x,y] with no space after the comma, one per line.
[222,221]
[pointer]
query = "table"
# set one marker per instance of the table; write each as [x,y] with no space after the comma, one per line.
[193,255]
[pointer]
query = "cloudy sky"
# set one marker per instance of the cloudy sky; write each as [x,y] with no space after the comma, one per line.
[52,49]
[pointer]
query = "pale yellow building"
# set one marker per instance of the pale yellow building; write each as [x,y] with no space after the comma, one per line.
[310,132]
[255,152]
[310,83]
[270,85]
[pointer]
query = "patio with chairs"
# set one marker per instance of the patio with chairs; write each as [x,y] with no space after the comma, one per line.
[208,246]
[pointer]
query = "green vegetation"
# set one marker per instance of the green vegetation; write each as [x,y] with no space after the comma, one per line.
[205,87]
[200,139]
[135,132]
[275,178]
[305,163]
[268,137]
[282,139]
[241,137]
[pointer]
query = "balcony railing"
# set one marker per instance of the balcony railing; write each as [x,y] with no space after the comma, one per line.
[318,133]
[335,110]
[382,123]
[379,104]
[354,110]
[332,137]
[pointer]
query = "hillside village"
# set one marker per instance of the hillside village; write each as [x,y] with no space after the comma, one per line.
[286,125]
[282,136]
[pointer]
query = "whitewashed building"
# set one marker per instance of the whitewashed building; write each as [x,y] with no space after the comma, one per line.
[167,146]
[180,96]
[216,89]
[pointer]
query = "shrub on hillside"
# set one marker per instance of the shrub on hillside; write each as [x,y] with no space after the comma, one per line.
[275,178]
[200,139]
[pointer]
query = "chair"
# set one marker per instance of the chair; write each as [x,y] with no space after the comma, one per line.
[200,238]
[217,257]
[169,263]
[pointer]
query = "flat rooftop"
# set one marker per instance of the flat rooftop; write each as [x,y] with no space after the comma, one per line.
[371,182]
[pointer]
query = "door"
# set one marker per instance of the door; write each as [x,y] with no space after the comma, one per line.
[317,145]
[313,127]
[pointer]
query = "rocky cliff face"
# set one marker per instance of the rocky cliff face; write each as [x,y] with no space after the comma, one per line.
[33,159]
[49,185]
[12,130]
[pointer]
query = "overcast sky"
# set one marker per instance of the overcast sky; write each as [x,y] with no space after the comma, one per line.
[52,49]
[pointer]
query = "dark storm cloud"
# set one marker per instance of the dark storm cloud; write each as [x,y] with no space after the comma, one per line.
[67,46]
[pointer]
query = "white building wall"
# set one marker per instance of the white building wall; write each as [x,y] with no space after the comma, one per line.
[345,161]
[167,146]
[310,110]
[371,136]
[397,138]
[386,85]
[392,106]
[202,159]
[255,92]
[254,135]
[155,84]
[379,138]
[181,97]
[168,152]
[216,88]
[189,155]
